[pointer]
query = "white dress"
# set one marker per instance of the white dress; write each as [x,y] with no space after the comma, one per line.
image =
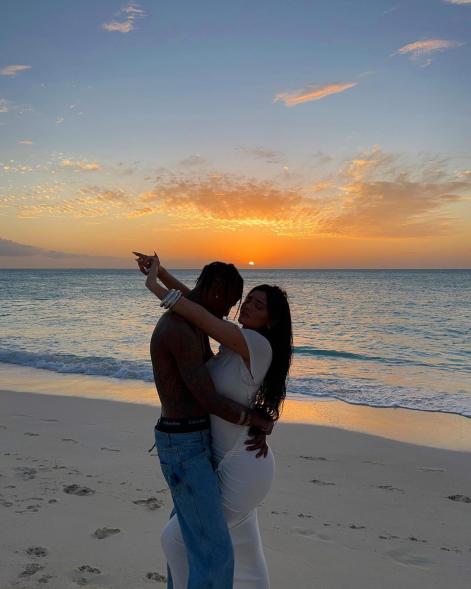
[244,480]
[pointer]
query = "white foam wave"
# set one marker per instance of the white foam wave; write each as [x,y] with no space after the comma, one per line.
[347,390]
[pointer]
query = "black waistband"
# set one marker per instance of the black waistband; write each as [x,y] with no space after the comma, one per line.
[182,426]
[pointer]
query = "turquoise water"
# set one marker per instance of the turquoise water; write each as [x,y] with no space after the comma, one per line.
[386,338]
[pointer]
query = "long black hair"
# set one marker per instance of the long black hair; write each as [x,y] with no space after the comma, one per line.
[279,333]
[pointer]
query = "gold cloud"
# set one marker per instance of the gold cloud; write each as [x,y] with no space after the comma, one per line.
[130,13]
[222,200]
[421,49]
[381,198]
[92,201]
[13,70]
[121,27]
[315,92]
[81,166]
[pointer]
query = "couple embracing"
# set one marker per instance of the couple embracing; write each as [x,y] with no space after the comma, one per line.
[216,413]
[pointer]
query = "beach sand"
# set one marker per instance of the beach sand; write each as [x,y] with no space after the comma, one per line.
[82,502]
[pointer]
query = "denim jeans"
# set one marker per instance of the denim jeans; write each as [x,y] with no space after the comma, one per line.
[186,465]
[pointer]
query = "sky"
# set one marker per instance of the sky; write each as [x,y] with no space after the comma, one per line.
[300,134]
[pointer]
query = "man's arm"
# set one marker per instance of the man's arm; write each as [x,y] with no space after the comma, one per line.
[185,346]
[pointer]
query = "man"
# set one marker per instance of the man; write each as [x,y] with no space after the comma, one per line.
[179,352]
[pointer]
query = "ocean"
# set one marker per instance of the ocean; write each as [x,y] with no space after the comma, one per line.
[383,338]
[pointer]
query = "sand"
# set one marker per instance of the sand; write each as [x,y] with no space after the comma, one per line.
[82,502]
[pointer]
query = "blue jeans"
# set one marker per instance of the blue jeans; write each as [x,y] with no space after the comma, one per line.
[186,465]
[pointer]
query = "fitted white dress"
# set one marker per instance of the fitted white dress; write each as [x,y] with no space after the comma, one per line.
[244,480]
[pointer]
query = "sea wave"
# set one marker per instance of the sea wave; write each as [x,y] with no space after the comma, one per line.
[361,392]
[353,391]
[71,364]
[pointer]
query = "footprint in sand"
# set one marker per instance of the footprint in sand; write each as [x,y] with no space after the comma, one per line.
[109,449]
[452,549]
[31,569]
[30,434]
[431,469]
[78,490]
[389,488]
[26,473]
[3,426]
[321,458]
[312,534]
[69,440]
[460,498]
[102,533]
[388,536]
[86,568]
[403,556]
[45,579]
[156,577]
[152,503]
[414,539]
[356,527]
[321,483]
[39,551]
[52,420]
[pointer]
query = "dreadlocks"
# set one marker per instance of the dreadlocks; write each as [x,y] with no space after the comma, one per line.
[227,274]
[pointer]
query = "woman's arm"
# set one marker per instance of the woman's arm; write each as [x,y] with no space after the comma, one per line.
[222,331]
[163,274]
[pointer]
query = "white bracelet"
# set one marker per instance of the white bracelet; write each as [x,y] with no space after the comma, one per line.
[174,300]
[167,297]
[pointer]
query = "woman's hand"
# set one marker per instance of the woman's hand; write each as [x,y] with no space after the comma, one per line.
[257,442]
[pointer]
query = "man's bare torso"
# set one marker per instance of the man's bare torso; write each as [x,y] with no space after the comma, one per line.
[172,342]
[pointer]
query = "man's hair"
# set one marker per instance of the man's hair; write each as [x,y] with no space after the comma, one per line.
[226,273]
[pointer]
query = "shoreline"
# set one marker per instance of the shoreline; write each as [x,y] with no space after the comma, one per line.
[83,503]
[427,428]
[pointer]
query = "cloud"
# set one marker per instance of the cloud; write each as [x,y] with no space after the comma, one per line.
[127,15]
[232,202]
[13,70]
[59,120]
[15,255]
[458,1]
[91,201]
[121,27]
[192,161]
[4,105]
[380,197]
[81,166]
[313,92]
[420,50]
[25,142]
[13,248]
[262,153]
[142,212]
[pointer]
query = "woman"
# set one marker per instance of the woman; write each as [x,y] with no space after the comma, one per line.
[251,367]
